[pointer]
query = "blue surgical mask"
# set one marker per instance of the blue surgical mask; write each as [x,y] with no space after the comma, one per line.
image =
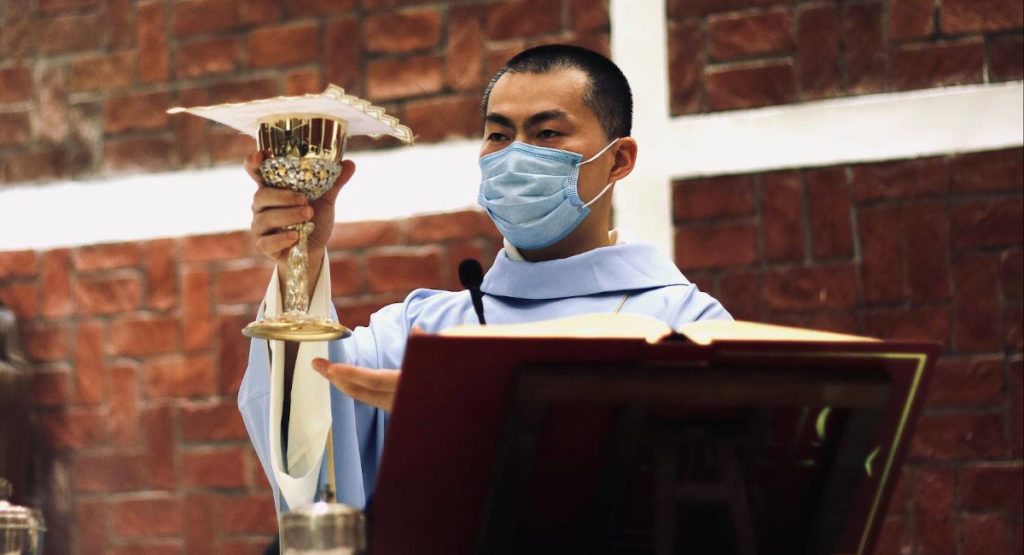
[530,193]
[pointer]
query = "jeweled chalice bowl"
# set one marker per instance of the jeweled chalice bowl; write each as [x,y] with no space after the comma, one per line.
[301,153]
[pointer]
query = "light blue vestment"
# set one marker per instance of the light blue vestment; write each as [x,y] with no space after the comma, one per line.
[637,276]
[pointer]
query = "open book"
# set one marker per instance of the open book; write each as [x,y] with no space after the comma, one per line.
[637,326]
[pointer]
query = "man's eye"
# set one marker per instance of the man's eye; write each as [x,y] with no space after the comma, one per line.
[497,137]
[548,134]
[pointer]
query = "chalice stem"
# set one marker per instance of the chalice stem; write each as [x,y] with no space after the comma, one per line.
[296,299]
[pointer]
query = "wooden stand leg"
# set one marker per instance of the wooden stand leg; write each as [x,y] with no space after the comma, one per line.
[665,498]
[737,497]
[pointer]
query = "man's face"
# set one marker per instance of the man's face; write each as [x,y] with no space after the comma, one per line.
[547,109]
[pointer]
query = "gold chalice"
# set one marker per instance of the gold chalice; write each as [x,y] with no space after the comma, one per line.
[302,153]
[303,139]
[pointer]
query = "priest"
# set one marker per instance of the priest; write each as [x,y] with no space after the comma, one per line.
[556,141]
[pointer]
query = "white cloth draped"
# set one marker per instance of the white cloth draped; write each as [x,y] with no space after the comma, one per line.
[310,419]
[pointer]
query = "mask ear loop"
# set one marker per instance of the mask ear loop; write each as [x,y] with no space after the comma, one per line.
[599,195]
[609,185]
[602,151]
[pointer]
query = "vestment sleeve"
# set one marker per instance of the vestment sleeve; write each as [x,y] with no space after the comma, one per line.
[694,305]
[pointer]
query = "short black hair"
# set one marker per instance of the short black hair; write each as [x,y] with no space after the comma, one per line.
[608,95]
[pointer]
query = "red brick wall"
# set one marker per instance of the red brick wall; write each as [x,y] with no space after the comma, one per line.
[84,83]
[729,54]
[138,358]
[136,346]
[927,248]
[137,349]
[912,249]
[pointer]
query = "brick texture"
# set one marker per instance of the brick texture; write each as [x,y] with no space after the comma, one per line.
[750,85]
[866,57]
[686,63]
[280,46]
[139,358]
[208,57]
[818,52]
[414,76]
[517,18]
[1006,58]
[744,35]
[729,54]
[936,65]
[137,348]
[15,84]
[154,52]
[85,85]
[403,31]
[922,249]
[911,19]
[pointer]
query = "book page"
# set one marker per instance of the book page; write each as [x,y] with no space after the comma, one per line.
[605,325]
[636,326]
[706,332]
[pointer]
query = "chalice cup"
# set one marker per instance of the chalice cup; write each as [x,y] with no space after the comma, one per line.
[301,153]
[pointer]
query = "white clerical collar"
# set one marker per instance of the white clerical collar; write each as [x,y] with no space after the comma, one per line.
[621,267]
[512,252]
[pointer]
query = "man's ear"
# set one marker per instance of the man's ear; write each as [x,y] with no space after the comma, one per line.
[625,158]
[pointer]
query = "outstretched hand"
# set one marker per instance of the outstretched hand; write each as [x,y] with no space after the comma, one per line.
[373,387]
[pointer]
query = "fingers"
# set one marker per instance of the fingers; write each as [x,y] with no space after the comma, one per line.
[380,399]
[271,220]
[373,387]
[274,208]
[377,379]
[269,217]
[348,169]
[252,166]
[272,197]
[275,245]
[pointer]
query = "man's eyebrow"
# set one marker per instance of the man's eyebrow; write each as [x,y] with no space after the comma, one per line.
[500,120]
[531,121]
[546,115]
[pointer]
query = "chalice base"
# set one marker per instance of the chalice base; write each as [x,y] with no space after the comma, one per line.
[296,326]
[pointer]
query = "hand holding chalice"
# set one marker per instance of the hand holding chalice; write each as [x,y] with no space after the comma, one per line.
[302,139]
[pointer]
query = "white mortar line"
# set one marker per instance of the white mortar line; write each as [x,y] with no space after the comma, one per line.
[388,184]
[889,126]
[402,182]
[643,201]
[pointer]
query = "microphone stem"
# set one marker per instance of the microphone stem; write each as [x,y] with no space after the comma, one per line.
[478,304]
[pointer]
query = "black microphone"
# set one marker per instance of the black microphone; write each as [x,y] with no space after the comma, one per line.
[472,275]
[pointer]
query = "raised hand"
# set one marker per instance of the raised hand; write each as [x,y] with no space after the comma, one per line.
[274,208]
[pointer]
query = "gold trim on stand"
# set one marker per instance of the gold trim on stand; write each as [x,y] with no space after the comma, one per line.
[822,420]
[922,359]
[871,460]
